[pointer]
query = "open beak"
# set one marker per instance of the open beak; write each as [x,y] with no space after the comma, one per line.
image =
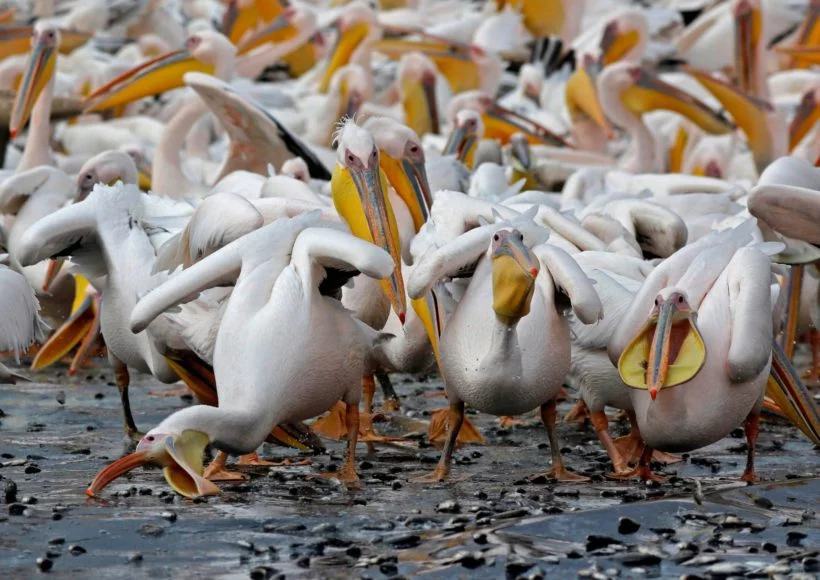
[462,143]
[668,351]
[347,42]
[616,44]
[501,123]
[748,112]
[360,197]
[409,179]
[38,73]
[276,31]
[420,107]
[791,396]
[156,76]
[649,93]
[582,97]
[515,269]
[806,117]
[748,24]
[180,458]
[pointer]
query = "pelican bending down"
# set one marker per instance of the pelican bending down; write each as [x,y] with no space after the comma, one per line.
[286,350]
[506,348]
[696,344]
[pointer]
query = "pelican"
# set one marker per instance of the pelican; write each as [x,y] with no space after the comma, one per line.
[505,349]
[696,345]
[20,322]
[285,274]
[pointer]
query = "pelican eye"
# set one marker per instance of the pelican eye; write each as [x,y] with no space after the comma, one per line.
[149,438]
[680,299]
[657,302]
[496,237]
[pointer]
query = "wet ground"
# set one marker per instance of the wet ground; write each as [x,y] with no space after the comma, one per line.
[57,432]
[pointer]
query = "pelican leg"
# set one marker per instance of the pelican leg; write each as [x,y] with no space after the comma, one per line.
[347,474]
[601,425]
[558,470]
[368,434]
[391,399]
[578,414]
[217,470]
[643,470]
[506,422]
[752,428]
[437,431]
[631,445]
[123,379]
[253,459]
[442,470]
[332,425]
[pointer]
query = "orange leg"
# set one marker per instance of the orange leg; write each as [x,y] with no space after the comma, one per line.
[506,422]
[332,425]
[643,470]
[437,432]
[601,425]
[218,471]
[578,414]
[631,446]
[752,428]
[347,473]
[558,470]
[442,470]
[391,399]
[123,380]
[251,459]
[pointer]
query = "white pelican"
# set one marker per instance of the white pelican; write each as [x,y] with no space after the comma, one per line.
[505,350]
[20,322]
[284,274]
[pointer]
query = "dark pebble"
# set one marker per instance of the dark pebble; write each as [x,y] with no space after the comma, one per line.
[596,542]
[303,562]
[169,515]
[60,397]
[516,565]
[56,541]
[76,550]
[99,396]
[450,506]
[763,502]
[794,538]
[354,551]
[9,490]
[16,509]
[811,565]
[627,525]
[635,560]
[135,558]
[32,469]
[152,530]
[389,569]
[263,573]
[44,564]
[404,541]
[769,547]
[29,500]
[56,517]
[396,485]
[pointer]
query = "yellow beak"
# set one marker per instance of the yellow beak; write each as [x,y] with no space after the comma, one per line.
[541,17]
[409,179]
[582,97]
[453,60]
[616,44]
[38,73]
[420,107]
[747,36]
[239,20]
[791,396]
[501,124]
[649,93]
[806,117]
[347,42]
[156,76]
[808,37]
[462,143]
[514,272]
[360,197]
[278,30]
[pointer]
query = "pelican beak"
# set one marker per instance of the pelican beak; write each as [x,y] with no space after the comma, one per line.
[276,31]
[420,107]
[54,267]
[668,351]
[582,97]
[750,114]
[808,37]
[84,312]
[454,60]
[806,117]
[501,124]
[347,42]
[649,93]
[791,396]
[514,271]
[180,457]
[38,73]
[462,143]
[409,179]
[156,76]
[360,197]
[352,102]
[748,24]
[616,44]
[520,152]
[242,16]
[431,314]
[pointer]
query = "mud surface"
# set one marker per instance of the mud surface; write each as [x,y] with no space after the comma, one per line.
[57,432]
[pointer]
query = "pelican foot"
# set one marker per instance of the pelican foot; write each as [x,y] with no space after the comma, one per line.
[630,447]
[347,475]
[180,392]
[749,476]
[438,475]
[220,473]
[559,474]
[665,458]
[643,472]
[332,425]
[578,414]
[391,405]
[507,422]
[437,432]
[253,459]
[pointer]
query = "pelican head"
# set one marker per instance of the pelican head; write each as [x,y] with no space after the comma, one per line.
[628,87]
[514,271]
[624,38]
[45,41]
[402,159]
[359,189]
[296,168]
[352,84]
[417,83]
[806,117]
[355,26]
[668,350]
[178,453]
[206,51]
[282,27]
[468,129]
[582,95]
[107,167]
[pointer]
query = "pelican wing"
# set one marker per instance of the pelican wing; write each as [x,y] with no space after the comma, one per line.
[792,210]
[17,188]
[569,279]
[257,138]
[20,322]
[340,256]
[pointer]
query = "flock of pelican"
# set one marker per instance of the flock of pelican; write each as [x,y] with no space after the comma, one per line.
[282,203]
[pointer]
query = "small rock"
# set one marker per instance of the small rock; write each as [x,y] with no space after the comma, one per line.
[811,564]
[60,397]
[32,469]
[151,530]
[16,509]
[76,549]
[396,485]
[769,547]
[596,542]
[354,551]
[169,515]
[794,538]
[634,560]
[135,558]
[9,489]
[450,506]
[326,528]
[763,502]
[303,562]
[627,525]
[245,544]
[44,564]
[726,569]
[263,573]
[516,565]
[404,541]
[56,541]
